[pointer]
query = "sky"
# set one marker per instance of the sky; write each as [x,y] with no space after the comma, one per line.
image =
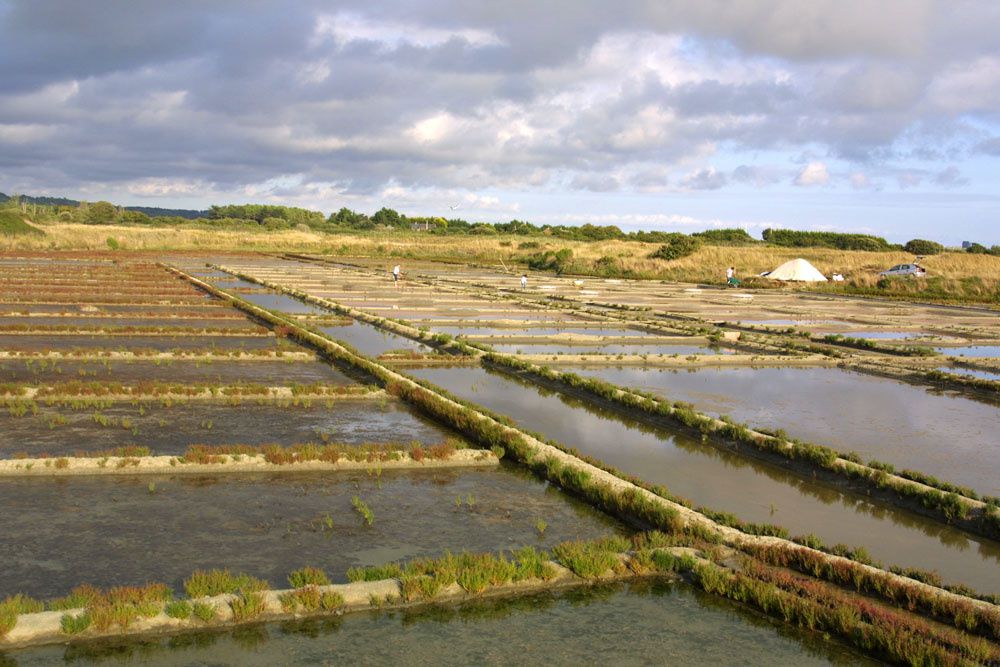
[844,115]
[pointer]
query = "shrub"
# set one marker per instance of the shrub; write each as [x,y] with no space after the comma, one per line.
[74,625]
[308,576]
[178,609]
[677,246]
[585,559]
[247,606]
[923,247]
[203,583]
[798,239]
[204,611]
[733,237]
[558,261]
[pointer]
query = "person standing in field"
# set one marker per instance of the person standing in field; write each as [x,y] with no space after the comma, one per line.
[524,281]
[395,276]
[731,278]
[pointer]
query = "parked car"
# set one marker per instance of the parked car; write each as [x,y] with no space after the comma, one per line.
[905,270]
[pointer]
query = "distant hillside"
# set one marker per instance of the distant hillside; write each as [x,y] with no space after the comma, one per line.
[156,212]
[151,211]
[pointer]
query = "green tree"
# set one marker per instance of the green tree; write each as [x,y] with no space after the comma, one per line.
[923,247]
[101,213]
[677,246]
[134,218]
[388,217]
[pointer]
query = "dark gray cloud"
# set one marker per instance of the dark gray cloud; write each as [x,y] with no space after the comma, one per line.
[228,95]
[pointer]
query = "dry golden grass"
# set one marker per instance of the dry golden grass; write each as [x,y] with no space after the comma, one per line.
[958,274]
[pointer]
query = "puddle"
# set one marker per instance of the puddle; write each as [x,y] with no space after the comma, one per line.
[169,430]
[281,302]
[948,436]
[881,335]
[540,331]
[970,351]
[724,481]
[371,340]
[269,525]
[271,372]
[790,323]
[667,623]
[971,372]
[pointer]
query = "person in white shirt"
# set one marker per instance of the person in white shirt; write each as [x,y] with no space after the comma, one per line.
[524,281]
[395,276]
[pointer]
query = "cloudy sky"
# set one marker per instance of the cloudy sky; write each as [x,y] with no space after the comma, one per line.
[877,115]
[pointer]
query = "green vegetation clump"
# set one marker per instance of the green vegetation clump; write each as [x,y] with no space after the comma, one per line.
[203,611]
[677,246]
[13,606]
[180,609]
[74,624]
[558,261]
[727,237]
[793,238]
[591,559]
[362,508]
[12,224]
[247,606]
[923,247]
[204,583]
[308,576]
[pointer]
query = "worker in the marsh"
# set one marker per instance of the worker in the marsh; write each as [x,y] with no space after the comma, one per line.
[524,281]
[395,276]
[731,278]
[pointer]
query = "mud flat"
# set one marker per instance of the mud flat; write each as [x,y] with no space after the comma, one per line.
[263,371]
[725,481]
[666,622]
[944,435]
[56,342]
[170,430]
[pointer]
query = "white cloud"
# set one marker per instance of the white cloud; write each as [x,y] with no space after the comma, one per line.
[704,179]
[859,180]
[167,187]
[348,27]
[814,173]
[24,133]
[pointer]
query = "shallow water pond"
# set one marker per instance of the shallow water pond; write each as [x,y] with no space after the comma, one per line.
[882,335]
[281,302]
[371,340]
[161,528]
[722,480]
[971,372]
[652,350]
[650,622]
[970,351]
[948,436]
[170,430]
[473,330]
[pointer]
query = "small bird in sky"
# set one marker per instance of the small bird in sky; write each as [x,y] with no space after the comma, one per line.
[454,207]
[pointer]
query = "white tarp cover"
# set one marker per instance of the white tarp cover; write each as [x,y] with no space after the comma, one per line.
[797,269]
